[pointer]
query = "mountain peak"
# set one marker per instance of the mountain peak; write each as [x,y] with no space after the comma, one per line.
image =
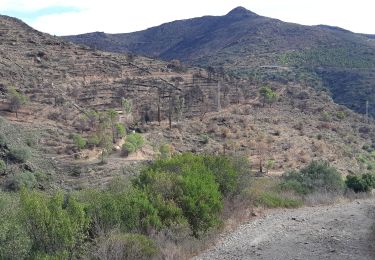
[241,12]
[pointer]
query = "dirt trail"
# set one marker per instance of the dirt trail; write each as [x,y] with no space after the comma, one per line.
[339,232]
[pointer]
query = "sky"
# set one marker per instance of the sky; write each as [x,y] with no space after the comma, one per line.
[67,17]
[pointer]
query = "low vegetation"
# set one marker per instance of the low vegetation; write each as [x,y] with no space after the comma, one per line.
[362,183]
[133,143]
[318,176]
[184,192]
[184,196]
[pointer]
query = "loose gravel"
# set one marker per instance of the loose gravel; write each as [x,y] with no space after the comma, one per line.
[337,232]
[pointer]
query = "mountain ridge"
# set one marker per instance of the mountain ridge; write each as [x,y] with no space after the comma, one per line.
[248,45]
[66,84]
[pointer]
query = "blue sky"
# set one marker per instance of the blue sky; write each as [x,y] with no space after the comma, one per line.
[30,16]
[64,17]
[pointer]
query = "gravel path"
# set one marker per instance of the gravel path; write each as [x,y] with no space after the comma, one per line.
[339,232]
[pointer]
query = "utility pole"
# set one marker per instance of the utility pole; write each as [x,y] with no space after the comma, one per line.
[367,118]
[218,96]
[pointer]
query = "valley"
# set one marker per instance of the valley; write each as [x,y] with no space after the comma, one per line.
[154,144]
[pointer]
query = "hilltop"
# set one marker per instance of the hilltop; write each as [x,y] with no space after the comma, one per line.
[65,83]
[249,45]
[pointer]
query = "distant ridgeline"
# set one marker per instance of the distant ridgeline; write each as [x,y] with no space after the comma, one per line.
[263,49]
[71,79]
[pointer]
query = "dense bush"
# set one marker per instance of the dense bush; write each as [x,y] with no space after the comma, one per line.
[79,142]
[136,139]
[223,169]
[19,154]
[184,192]
[57,225]
[363,183]
[24,179]
[184,184]
[120,130]
[127,148]
[318,176]
[129,211]
[132,143]
[369,179]
[200,199]
[14,241]
[294,184]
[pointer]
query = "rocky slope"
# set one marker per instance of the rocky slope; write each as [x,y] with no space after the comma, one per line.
[246,44]
[64,81]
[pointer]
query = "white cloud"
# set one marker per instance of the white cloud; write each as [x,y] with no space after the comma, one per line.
[115,16]
[122,16]
[33,5]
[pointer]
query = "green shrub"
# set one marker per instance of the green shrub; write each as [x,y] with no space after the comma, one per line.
[136,139]
[93,141]
[51,256]
[317,176]
[133,143]
[367,148]
[356,183]
[20,154]
[41,177]
[294,185]
[326,117]
[200,200]
[225,174]
[120,130]
[165,151]
[268,95]
[2,166]
[79,142]
[269,164]
[220,167]
[2,140]
[129,211]
[205,139]
[31,141]
[127,148]
[187,182]
[14,241]
[363,183]
[57,225]
[341,115]
[242,165]
[273,200]
[369,179]
[20,180]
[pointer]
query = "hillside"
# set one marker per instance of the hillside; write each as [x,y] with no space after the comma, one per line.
[261,48]
[66,83]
